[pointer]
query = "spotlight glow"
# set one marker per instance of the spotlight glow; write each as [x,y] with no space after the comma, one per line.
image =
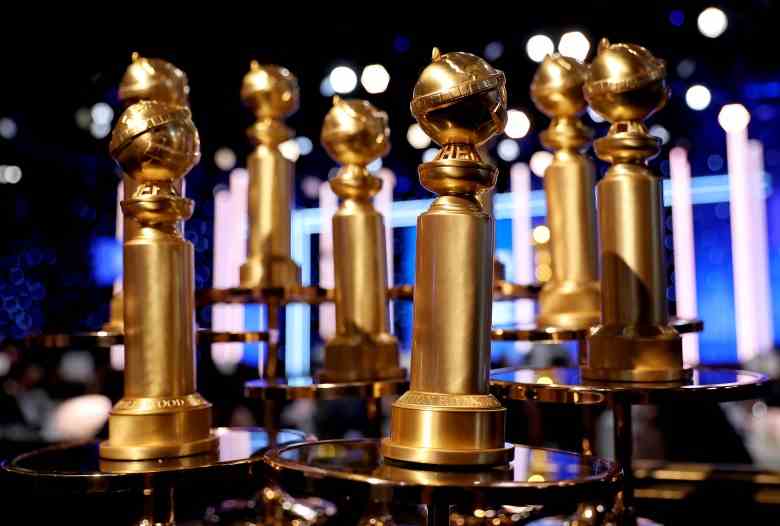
[660,132]
[574,44]
[7,128]
[102,113]
[305,145]
[289,150]
[225,159]
[733,118]
[417,137]
[343,79]
[429,154]
[595,117]
[375,78]
[494,50]
[517,124]
[538,47]
[374,166]
[326,88]
[540,161]
[712,22]
[508,150]
[541,234]
[698,97]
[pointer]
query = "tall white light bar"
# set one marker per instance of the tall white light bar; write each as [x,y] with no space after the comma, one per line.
[522,245]
[684,248]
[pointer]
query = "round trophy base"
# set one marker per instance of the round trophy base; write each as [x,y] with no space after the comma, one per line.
[447,457]
[157,451]
[638,375]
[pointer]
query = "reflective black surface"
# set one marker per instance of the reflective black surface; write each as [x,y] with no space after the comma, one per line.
[565,385]
[78,468]
[308,387]
[355,467]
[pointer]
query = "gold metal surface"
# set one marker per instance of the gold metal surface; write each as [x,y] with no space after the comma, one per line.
[634,343]
[486,200]
[271,92]
[448,416]
[354,134]
[146,79]
[570,299]
[161,413]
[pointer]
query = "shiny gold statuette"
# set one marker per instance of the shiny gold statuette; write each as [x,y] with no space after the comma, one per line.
[448,416]
[145,79]
[634,343]
[161,413]
[570,300]
[354,134]
[271,92]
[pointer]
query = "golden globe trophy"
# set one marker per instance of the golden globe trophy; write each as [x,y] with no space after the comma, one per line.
[634,343]
[354,134]
[448,416]
[145,79]
[570,299]
[161,413]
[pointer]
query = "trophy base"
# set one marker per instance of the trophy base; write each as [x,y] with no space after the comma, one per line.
[278,272]
[569,306]
[149,428]
[447,429]
[353,358]
[635,354]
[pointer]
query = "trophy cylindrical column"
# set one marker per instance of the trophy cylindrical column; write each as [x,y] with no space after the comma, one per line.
[354,133]
[453,298]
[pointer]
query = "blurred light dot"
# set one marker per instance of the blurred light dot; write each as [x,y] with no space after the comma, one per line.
[517,124]
[99,131]
[326,89]
[686,68]
[733,117]
[541,234]
[77,367]
[375,78]
[715,162]
[289,150]
[102,113]
[759,409]
[540,161]
[508,150]
[225,159]
[7,128]
[311,186]
[80,418]
[10,174]
[374,166]
[429,154]
[538,47]
[83,118]
[305,145]
[575,45]
[595,117]
[117,357]
[543,273]
[662,133]
[343,79]
[698,97]
[402,44]
[712,22]
[417,137]
[494,50]
[677,18]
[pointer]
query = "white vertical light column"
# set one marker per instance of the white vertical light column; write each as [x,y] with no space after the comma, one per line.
[761,259]
[229,251]
[329,202]
[684,249]
[734,119]
[522,246]
[383,202]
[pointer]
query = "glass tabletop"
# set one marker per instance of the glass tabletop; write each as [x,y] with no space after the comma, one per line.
[566,385]
[78,467]
[535,476]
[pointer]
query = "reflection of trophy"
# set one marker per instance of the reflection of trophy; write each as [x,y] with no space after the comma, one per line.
[448,416]
[145,79]
[161,413]
[271,92]
[570,300]
[634,343]
[354,134]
